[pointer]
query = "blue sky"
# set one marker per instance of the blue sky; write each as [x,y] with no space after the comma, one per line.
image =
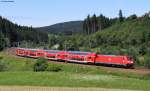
[47,12]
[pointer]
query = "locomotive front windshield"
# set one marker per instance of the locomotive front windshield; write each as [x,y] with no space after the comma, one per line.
[130,58]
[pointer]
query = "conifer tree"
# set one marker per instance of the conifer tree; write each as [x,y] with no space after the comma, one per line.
[121,18]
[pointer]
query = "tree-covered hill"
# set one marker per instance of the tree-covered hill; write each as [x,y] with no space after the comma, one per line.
[128,37]
[131,32]
[135,32]
[67,28]
[11,33]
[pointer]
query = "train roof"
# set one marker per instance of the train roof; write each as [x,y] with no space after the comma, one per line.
[29,49]
[79,52]
[52,51]
[111,55]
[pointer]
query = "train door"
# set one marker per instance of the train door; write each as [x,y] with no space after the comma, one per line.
[33,53]
[91,58]
[40,53]
[20,52]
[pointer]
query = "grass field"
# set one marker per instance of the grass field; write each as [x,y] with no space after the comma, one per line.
[64,79]
[20,73]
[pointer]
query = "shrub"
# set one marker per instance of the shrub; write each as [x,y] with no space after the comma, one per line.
[132,52]
[3,66]
[1,58]
[27,66]
[147,62]
[2,42]
[40,65]
[142,50]
[54,68]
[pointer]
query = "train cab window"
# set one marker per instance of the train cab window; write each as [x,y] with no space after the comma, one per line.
[129,58]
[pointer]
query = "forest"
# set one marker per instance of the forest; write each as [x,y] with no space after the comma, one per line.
[11,35]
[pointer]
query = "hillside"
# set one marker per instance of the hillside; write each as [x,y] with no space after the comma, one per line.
[12,34]
[64,28]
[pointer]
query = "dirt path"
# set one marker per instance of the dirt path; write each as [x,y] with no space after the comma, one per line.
[32,88]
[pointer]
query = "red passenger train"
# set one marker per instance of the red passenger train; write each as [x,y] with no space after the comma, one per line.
[76,57]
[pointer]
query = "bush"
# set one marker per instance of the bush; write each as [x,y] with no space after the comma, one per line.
[3,66]
[132,52]
[27,65]
[40,65]
[1,58]
[142,50]
[54,68]
[147,62]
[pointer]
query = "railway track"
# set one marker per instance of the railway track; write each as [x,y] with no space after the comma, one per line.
[136,70]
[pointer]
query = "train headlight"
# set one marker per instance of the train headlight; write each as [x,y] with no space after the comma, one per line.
[131,62]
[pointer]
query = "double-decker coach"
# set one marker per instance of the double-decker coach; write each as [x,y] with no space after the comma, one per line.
[80,57]
[20,51]
[32,53]
[51,54]
[63,56]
